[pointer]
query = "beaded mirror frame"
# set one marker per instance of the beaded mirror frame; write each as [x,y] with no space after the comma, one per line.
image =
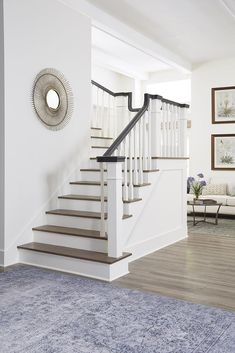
[52,99]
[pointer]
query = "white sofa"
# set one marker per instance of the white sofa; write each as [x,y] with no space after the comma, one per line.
[228,201]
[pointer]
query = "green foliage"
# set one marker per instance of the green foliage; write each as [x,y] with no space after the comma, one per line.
[227,159]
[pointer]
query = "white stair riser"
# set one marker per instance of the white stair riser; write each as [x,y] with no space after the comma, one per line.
[94,164]
[94,152]
[94,132]
[93,190]
[100,142]
[90,190]
[71,241]
[96,176]
[74,222]
[81,267]
[81,205]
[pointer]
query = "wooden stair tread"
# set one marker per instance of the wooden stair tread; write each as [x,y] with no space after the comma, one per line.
[94,158]
[92,198]
[104,147]
[81,197]
[102,137]
[97,183]
[86,233]
[83,214]
[105,170]
[73,253]
[96,128]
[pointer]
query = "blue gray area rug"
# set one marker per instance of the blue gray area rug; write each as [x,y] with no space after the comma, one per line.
[49,312]
[225,227]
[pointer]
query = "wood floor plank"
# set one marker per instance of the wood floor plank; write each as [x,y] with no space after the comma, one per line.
[200,269]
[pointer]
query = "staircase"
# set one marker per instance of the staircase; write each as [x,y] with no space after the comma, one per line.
[84,235]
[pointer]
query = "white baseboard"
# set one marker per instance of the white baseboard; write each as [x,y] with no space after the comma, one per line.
[153,244]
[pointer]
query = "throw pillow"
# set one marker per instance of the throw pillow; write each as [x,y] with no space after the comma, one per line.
[215,189]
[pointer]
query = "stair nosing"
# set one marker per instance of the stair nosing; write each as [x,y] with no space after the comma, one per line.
[102,137]
[97,183]
[105,147]
[128,170]
[64,232]
[84,214]
[93,198]
[50,250]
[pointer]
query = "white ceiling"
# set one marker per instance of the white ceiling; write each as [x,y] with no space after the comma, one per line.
[117,55]
[197,30]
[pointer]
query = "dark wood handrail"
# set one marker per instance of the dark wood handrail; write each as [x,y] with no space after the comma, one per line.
[118,94]
[107,156]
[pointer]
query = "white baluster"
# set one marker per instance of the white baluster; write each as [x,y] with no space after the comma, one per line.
[178,131]
[171,129]
[114,131]
[141,177]
[135,176]
[130,188]
[125,174]
[96,123]
[164,140]
[144,142]
[183,132]
[149,134]
[175,132]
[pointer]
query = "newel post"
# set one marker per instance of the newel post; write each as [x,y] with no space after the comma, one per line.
[156,127]
[115,205]
[183,131]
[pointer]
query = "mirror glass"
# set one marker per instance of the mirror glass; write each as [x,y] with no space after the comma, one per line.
[52,99]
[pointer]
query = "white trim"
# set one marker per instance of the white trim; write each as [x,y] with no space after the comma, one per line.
[114,27]
[158,242]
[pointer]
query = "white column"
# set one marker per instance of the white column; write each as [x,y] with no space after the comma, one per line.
[183,132]
[115,209]
[156,128]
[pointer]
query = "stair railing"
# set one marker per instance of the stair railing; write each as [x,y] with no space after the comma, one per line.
[158,129]
[111,111]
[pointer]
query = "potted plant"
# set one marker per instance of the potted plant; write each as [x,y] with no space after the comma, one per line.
[196,185]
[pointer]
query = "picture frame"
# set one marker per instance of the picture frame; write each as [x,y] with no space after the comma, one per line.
[223,152]
[223,105]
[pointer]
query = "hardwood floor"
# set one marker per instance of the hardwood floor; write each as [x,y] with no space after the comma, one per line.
[200,269]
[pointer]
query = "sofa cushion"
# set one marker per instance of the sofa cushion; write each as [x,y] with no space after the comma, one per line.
[215,189]
[230,201]
[231,189]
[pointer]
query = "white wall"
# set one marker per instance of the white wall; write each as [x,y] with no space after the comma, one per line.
[209,75]
[40,34]
[111,79]
[1,135]
[117,82]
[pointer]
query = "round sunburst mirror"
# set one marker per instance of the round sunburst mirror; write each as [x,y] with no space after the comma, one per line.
[52,99]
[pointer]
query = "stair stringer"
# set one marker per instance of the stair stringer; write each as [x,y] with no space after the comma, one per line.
[160,219]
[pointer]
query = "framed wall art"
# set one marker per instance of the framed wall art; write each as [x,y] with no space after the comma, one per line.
[223,105]
[223,152]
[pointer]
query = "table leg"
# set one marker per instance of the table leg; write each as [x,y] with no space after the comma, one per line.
[194,218]
[205,213]
[217,214]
